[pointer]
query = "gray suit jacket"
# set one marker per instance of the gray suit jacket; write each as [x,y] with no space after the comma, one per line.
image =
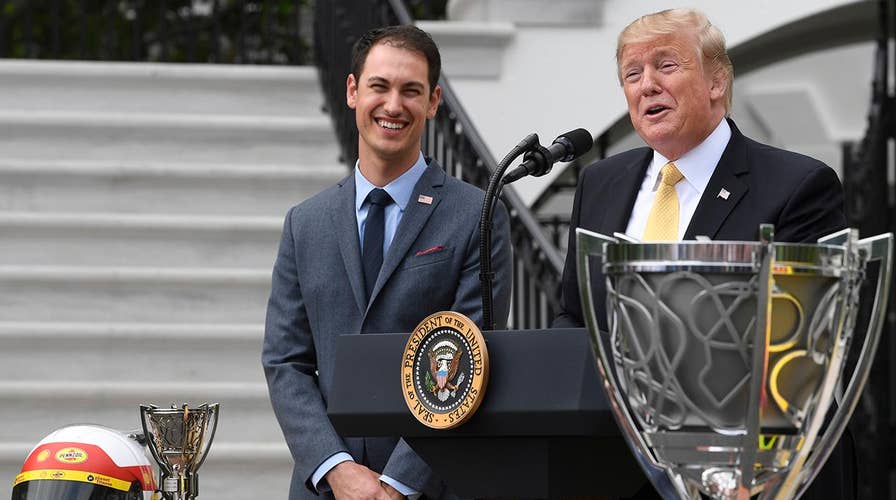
[317,293]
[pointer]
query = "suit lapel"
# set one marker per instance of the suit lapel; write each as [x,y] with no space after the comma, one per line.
[412,222]
[624,189]
[715,205]
[345,226]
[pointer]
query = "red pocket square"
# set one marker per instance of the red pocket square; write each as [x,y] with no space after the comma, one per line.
[430,250]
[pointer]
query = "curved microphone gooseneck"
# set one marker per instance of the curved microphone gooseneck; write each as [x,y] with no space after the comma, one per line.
[486,275]
[538,161]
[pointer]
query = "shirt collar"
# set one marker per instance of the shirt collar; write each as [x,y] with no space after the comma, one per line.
[399,189]
[698,164]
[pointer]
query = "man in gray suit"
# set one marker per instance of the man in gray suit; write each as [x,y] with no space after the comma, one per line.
[331,279]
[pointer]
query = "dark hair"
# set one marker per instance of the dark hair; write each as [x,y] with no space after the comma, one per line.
[405,37]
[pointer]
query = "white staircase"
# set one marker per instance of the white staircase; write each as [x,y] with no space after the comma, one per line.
[140,212]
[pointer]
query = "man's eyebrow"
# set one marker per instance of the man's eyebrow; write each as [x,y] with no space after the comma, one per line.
[376,79]
[667,52]
[413,85]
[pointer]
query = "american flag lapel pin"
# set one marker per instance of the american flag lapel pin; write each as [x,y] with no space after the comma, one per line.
[426,200]
[724,194]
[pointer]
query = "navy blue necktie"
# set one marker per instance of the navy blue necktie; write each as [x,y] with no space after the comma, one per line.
[378,199]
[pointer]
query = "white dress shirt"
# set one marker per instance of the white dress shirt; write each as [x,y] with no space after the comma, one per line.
[697,166]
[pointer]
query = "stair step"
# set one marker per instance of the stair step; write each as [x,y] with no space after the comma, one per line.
[131,352]
[167,137]
[158,87]
[89,239]
[141,207]
[30,409]
[133,294]
[233,470]
[28,184]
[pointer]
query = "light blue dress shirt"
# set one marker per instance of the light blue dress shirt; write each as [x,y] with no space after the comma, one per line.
[400,190]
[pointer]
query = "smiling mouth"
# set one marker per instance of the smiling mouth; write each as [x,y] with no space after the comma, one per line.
[655,110]
[390,125]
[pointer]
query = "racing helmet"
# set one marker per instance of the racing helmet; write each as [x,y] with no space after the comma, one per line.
[86,462]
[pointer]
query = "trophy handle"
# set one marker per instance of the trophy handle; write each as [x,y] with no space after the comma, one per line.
[144,409]
[589,243]
[839,238]
[213,411]
[879,248]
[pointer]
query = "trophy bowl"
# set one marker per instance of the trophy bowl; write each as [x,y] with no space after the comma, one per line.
[179,439]
[722,359]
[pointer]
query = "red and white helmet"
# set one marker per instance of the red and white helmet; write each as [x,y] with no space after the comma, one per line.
[86,461]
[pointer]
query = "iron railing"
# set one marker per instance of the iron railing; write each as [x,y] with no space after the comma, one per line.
[870,207]
[196,31]
[452,140]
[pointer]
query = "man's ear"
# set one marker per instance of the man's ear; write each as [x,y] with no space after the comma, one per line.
[351,91]
[434,97]
[719,84]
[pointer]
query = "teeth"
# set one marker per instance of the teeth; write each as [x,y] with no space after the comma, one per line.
[390,125]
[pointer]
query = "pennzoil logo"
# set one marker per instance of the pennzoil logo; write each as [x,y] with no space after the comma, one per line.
[71,455]
[444,370]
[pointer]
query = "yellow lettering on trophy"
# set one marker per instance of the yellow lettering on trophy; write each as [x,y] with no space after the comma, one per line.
[767,442]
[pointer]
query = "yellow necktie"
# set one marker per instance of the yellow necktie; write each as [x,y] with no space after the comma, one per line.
[662,222]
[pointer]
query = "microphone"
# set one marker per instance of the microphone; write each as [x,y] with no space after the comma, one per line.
[566,147]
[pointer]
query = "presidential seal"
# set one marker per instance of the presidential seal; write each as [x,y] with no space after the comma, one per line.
[444,370]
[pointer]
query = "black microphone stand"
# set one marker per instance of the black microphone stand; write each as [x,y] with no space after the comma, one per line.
[486,275]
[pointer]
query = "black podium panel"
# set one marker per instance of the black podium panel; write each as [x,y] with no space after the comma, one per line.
[544,428]
[533,467]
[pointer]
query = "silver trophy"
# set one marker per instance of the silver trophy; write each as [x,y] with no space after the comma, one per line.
[179,440]
[723,359]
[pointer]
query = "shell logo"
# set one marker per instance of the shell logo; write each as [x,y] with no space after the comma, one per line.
[43,456]
[71,455]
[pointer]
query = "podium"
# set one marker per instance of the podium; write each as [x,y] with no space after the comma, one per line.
[544,429]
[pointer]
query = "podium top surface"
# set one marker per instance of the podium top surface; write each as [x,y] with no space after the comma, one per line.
[541,383]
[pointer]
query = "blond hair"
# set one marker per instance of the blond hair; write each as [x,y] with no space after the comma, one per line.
[710,44]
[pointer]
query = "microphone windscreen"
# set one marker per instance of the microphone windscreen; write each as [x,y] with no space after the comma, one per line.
[581,141]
